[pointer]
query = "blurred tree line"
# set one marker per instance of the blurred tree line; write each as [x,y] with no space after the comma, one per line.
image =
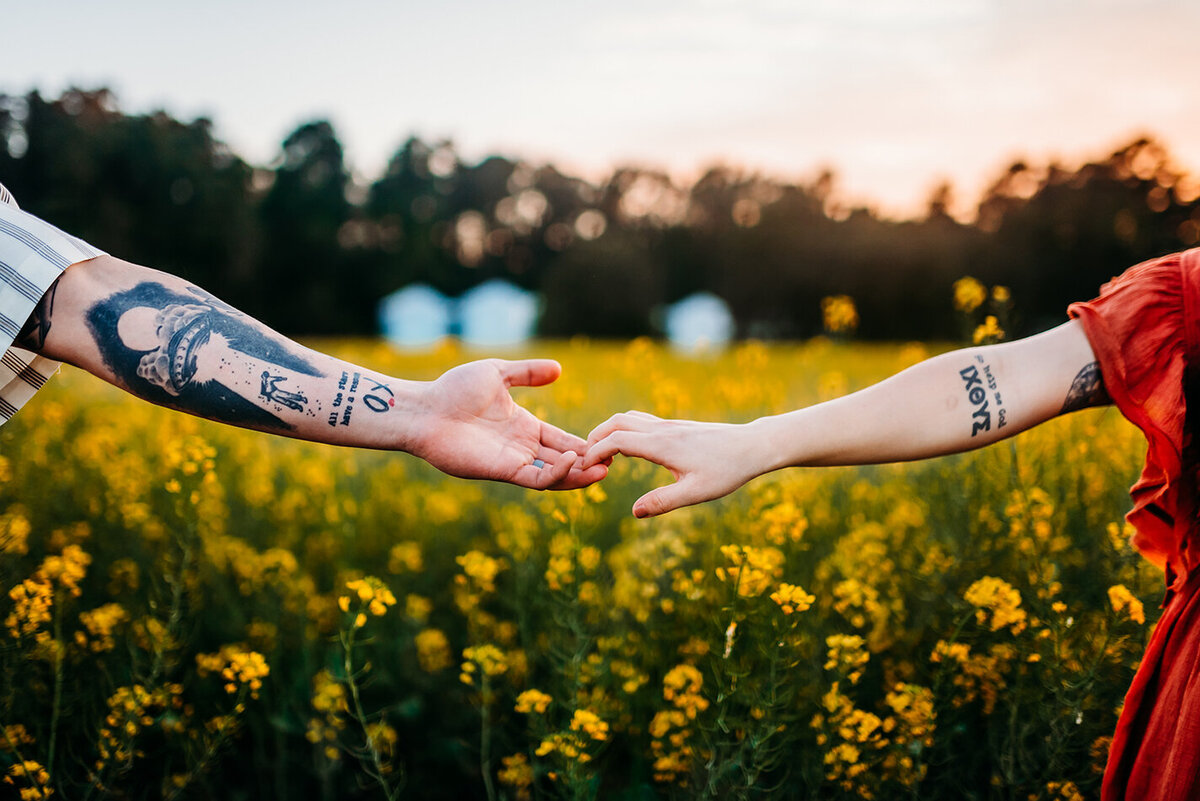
[302,245]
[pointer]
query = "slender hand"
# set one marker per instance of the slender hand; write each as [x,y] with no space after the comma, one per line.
[954,402]
[171,343]
[469,426]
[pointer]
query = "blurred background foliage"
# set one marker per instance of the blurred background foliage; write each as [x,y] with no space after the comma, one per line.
[311,248]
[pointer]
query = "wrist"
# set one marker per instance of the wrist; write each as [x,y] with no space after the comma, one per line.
[408,418]
[767,445]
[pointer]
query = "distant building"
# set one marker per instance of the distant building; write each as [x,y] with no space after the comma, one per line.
[416,316]
[698,322]
[495,313]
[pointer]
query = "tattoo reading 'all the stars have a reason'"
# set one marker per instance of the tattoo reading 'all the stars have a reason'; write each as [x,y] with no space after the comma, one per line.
[376,396]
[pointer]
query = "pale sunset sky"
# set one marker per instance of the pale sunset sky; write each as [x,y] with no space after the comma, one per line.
[894,95]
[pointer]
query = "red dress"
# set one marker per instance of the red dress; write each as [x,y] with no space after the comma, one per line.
[1145,331]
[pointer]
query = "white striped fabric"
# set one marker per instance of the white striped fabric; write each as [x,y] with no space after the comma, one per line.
[33,254]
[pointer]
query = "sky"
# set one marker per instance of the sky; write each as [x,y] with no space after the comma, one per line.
[895,96]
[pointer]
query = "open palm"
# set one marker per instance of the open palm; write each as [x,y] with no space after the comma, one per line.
[471,427]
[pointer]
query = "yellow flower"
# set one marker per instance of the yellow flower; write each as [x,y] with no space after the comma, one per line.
[533,701]
[482,568]
[433,650]
[1123,600]
[405,556]
[969,294]
[751,569]
[839,314]
[516,772]
[792,598]
[587,722]
[998,602]
[238,667]
[989,332]
[370,594]
[486,658]
[847,654]
[100,624]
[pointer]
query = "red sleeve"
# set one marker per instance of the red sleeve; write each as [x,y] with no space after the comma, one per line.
[1138,328]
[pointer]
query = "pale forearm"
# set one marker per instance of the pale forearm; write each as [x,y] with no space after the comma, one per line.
[171,343]
[954,402]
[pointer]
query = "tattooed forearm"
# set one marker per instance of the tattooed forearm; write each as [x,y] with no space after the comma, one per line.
[194,353]
[983,391]
[33,333]
[1086,390]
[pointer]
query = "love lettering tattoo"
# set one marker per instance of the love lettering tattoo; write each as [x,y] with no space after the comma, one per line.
[198,354]
[984,394]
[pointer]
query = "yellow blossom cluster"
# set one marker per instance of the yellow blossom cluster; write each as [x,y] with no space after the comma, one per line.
[33,598]
[978,675]
[368,593]
[533,702]
[130,710]
[572,744]
[1031,512]
[782,523]
[915,719]
[969,294]
[998,604]
[988,332]
[239,668]
[846,654]
[839,315]
[329,703]
[100,624]
[382,739]
[1125,602]
[751,570]
[516,772]
[671,728]
[406,556]
[792,598]
[481,569]
[1060,791]
[33,776]
[853,736]
[14,532]
[433,650]
[486,660]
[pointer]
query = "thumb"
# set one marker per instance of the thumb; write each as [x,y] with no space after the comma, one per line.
[529,372]
[661,500]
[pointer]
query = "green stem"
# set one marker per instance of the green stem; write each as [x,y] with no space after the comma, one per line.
[485,739]
[360,715]
[56,706]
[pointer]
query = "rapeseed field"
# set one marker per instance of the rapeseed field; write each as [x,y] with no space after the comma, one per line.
[192,611]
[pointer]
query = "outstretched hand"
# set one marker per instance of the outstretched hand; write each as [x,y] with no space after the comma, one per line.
[708,460]
[469,426]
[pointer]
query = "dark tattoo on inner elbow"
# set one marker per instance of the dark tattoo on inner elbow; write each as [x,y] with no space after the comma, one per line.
[33,334]
[1086,390]
[157,353]
[983,391]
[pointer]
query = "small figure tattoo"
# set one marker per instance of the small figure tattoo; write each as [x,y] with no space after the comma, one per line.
[272,392]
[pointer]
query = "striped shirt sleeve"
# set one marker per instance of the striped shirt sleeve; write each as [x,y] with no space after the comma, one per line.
[33,254]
